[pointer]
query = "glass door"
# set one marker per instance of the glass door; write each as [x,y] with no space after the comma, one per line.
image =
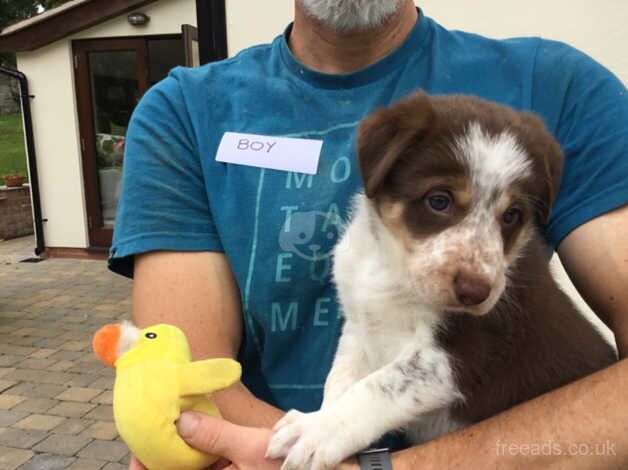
[111,78]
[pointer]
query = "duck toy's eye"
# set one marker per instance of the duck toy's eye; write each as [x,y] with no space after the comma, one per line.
[151,335]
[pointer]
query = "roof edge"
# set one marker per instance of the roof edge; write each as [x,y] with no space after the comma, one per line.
[78,15]
[27,22]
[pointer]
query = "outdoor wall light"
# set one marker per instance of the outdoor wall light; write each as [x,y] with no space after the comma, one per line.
[138,19]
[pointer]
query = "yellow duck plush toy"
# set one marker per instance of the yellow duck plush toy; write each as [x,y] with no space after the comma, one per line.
[155,381]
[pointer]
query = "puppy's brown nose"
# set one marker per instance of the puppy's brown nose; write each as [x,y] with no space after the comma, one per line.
[471,290]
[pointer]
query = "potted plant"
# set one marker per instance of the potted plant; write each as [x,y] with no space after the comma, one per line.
[13,180]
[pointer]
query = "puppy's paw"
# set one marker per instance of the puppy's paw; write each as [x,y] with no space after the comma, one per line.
[312,441]
[282,441]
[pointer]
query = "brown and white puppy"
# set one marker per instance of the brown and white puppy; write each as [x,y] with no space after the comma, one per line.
[451,314]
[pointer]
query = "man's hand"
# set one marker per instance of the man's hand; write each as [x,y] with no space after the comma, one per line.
[244,447]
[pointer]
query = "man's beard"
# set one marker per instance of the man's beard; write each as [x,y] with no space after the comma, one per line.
[351,15]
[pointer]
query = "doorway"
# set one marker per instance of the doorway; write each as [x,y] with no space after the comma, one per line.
[111,77]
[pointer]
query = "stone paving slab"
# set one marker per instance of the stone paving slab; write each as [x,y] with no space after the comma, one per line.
[72,426]
[35,405]
[47,462]
[62,444]
[21,438]
[87,464]
[78,394]
[11,458]
[39,422]
[55,396]
[104,430]
[111,451]
[8,401]
[5,384]
[9,417]
[71,409]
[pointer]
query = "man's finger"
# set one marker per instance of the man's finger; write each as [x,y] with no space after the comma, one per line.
[136,464]
[217,436]
[220,464]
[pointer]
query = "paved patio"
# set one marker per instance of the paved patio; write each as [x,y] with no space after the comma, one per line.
[55,397]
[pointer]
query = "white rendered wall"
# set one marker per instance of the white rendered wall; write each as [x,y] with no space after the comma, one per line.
[49,71]
[599,29]
[166,17]
[258,22]
[55,122]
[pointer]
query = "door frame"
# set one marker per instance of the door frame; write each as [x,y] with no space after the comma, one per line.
[190,41]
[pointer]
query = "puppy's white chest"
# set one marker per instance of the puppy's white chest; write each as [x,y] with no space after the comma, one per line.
[383,345]
[382,348]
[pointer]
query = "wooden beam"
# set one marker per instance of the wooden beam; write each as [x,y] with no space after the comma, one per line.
[67,22]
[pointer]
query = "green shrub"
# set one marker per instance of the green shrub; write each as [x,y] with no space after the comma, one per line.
[12,151]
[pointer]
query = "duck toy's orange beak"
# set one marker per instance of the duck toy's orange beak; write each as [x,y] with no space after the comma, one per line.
[105,343]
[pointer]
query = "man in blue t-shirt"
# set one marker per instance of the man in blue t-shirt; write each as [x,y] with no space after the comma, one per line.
[237,252]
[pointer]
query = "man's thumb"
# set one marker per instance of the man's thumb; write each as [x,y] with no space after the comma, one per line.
[208,434]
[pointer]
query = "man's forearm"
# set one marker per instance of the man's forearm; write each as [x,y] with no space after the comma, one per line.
[238,405]
[197,292]
[582,425]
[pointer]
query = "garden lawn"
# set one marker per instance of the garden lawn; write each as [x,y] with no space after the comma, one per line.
[12,153]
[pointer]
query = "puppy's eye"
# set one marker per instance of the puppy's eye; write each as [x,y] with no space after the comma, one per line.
[151,335]
[439,201]
[511,216]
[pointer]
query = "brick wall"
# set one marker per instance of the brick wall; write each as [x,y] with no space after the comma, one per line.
[15,212]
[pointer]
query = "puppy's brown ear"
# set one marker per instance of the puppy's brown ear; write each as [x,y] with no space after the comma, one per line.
[548,159]
[385,134]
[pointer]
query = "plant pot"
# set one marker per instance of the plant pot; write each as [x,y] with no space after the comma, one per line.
[13,181]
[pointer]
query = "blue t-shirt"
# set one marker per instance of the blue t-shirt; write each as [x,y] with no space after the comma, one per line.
[277,228]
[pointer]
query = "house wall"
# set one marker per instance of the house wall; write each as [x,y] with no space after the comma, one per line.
[55,122]
[598,30]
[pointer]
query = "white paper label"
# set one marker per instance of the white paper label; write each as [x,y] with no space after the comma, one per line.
[277,153]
